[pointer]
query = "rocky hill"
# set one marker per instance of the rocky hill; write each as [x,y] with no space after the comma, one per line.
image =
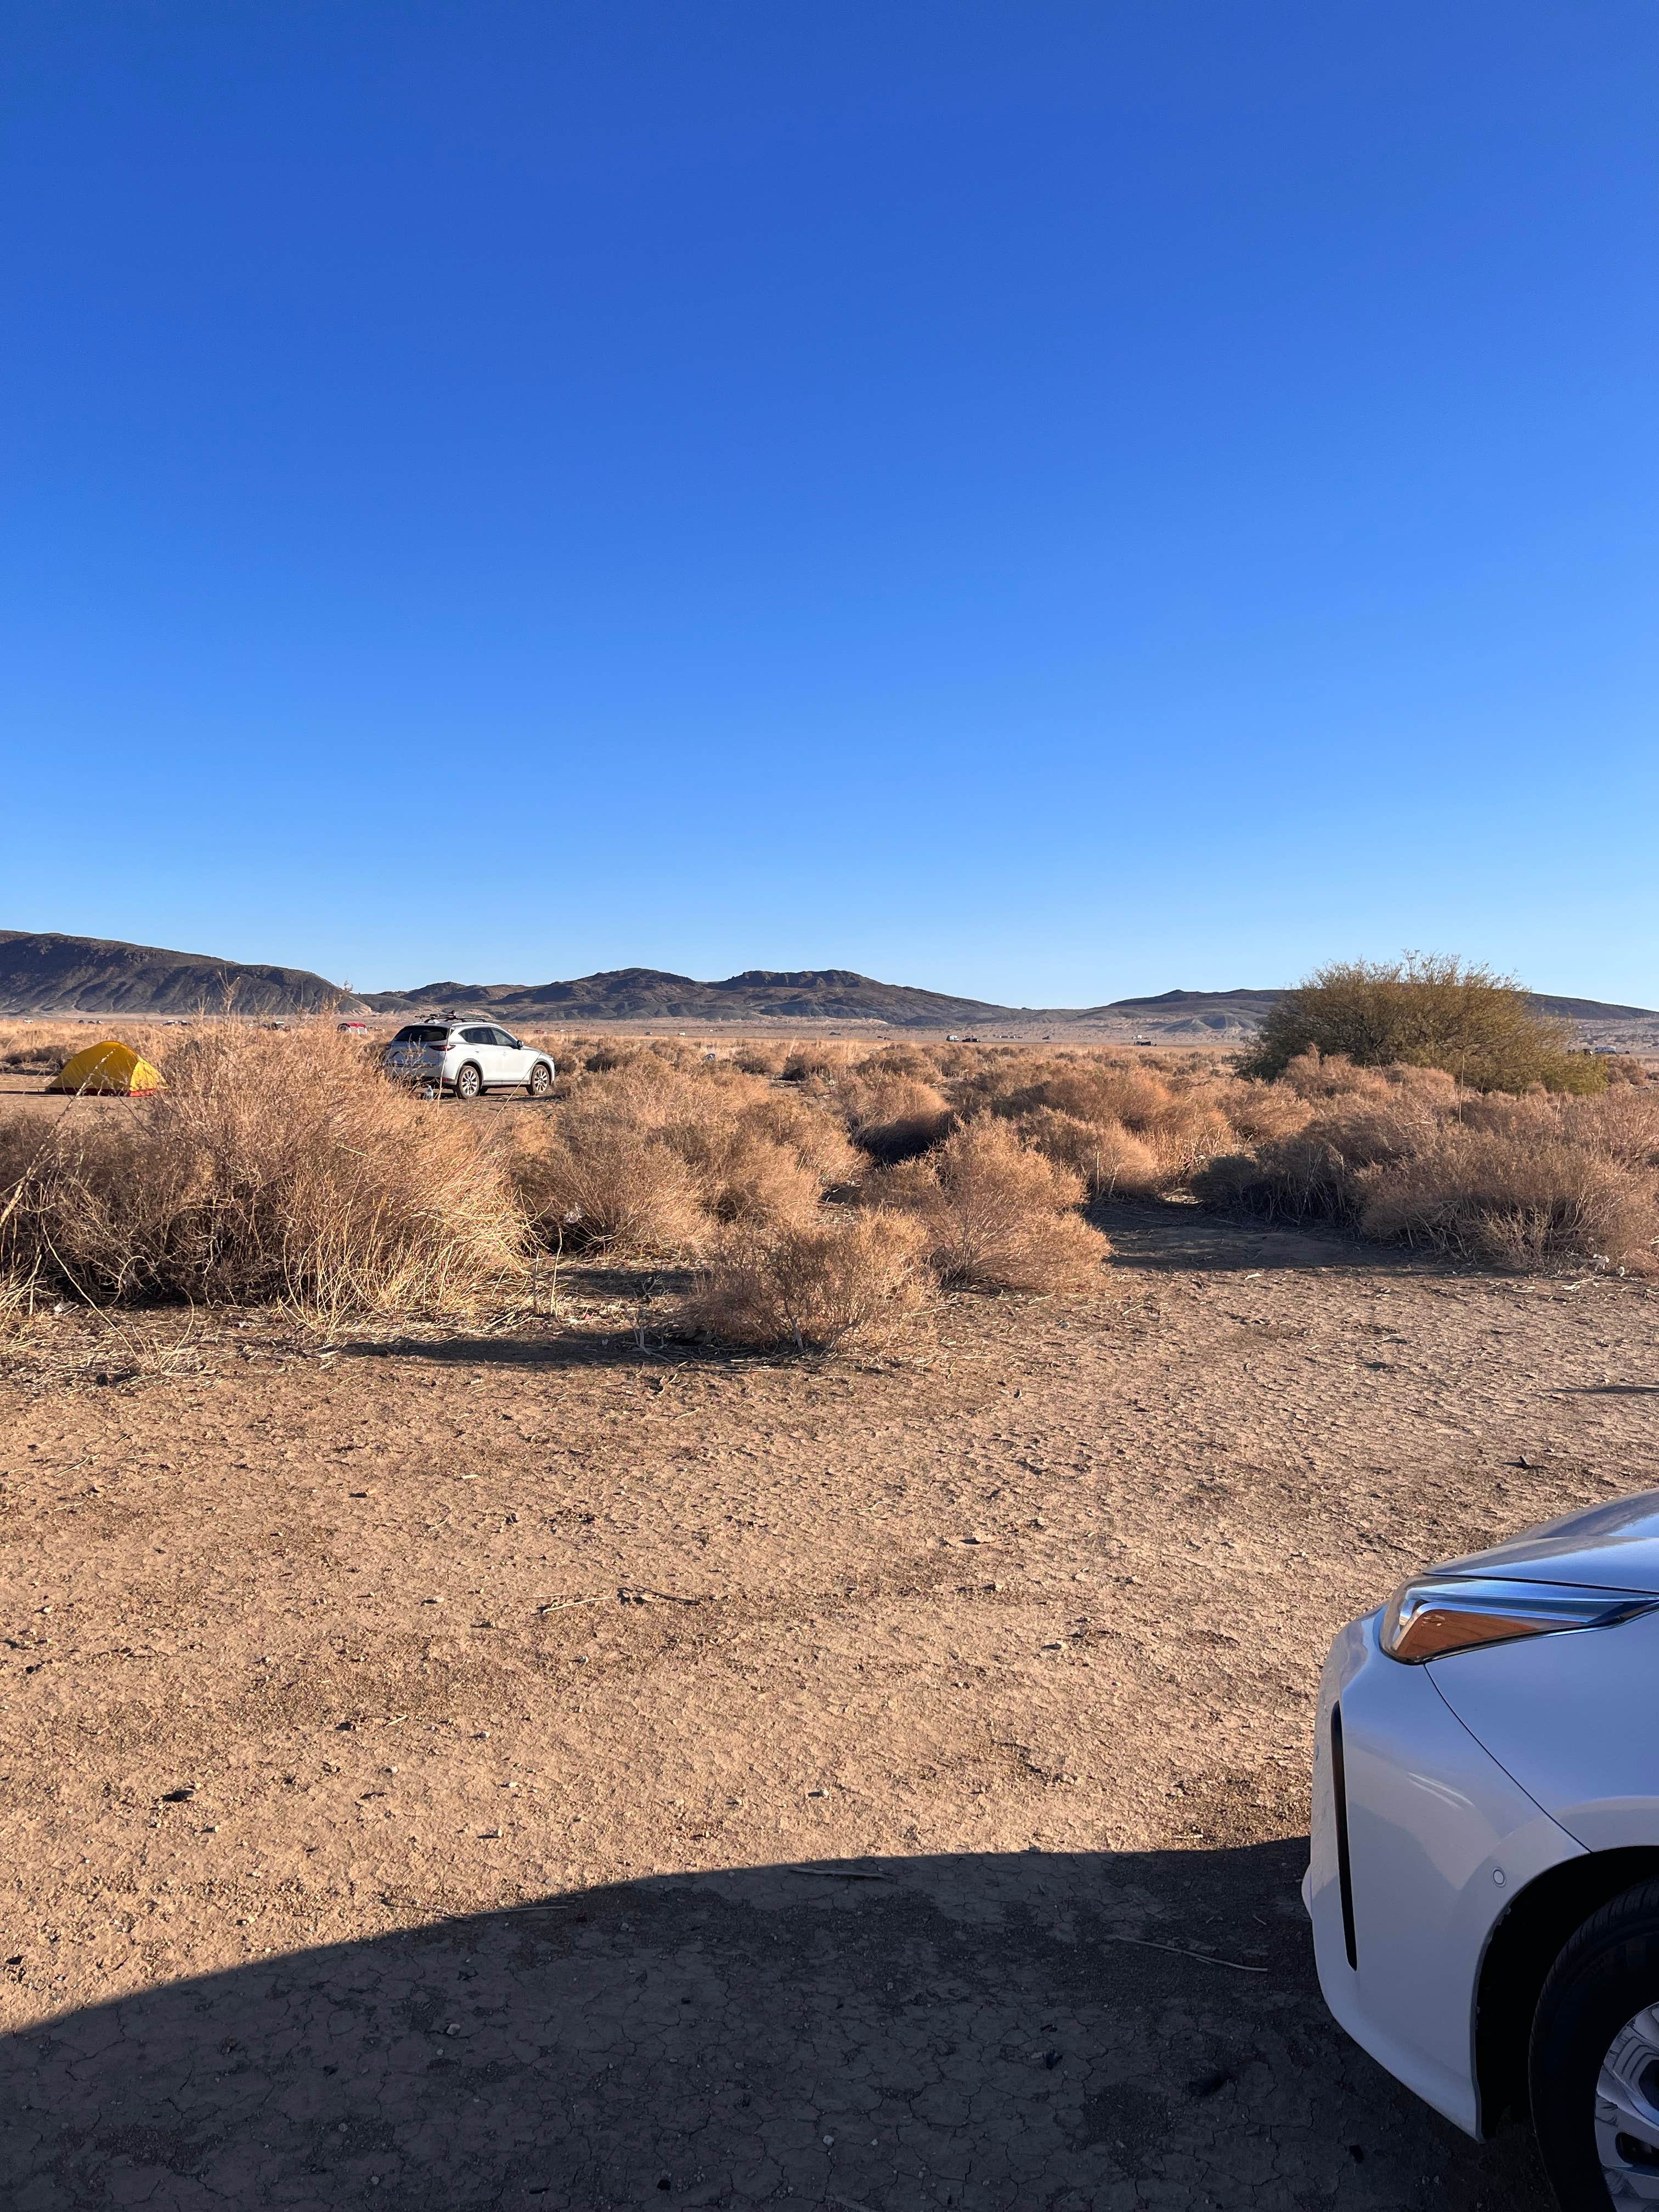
[1194,1014]
[812,994]
[46,973]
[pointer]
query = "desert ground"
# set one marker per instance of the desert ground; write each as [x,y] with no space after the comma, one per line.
[557,1765]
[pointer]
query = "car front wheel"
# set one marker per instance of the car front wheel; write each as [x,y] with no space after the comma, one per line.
[1595,2059]
[467,1082]
[541,1080]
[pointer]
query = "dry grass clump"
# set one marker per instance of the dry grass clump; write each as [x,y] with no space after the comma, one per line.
[605,1055]
[1622,1068]
[1626,1122]
[1310,1179]
[885,1098]
[1107,1158]
[919,1060]
[275,1164]
[997,1215]
[1515,1181]
[958,1062]
[41,1047]
[649,1160]
[558,1044]
[1093,1091]
[760,1056]
[851,1276]
[754,1160]
[1258,1113]
[826,1058]
[599,1174]
[1130,1131]
[787,1119]
[892,1114]
[1317,1077]
[1517,1198]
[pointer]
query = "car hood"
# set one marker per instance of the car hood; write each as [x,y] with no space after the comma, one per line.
[1613,1547]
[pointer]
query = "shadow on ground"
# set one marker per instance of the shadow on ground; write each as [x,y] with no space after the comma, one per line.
[891,2034]
[549,1351]
[552,1344]
[1176,1235]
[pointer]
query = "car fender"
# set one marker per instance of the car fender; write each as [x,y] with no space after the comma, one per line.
[1439,1836]
[1565,1715]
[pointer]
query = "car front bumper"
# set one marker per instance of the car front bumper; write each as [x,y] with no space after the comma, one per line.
[1439,1841]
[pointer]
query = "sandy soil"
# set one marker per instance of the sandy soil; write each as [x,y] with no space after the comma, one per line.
[529,1768]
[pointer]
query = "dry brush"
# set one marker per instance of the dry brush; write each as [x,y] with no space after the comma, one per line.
[813,1195]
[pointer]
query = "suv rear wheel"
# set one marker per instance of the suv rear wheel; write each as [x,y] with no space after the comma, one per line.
[468,1081]
[1595,2059]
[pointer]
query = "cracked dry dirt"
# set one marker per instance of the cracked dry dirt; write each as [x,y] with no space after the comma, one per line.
[524,1770]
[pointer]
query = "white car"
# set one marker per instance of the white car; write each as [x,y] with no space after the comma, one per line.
[468,1057]
[1485,1877]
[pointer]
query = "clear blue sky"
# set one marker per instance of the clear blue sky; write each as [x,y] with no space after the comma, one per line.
[1046,501]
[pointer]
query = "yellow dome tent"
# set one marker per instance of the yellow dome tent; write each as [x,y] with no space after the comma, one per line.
[110,1067]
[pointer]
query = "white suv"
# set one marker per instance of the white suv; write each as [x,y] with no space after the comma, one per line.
[466,1057]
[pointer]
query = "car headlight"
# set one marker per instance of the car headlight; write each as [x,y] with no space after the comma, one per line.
[1435,1615]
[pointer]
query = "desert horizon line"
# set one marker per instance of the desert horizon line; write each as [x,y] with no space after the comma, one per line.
[132,957]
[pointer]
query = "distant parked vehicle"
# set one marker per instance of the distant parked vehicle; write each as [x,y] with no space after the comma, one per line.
[467,1058]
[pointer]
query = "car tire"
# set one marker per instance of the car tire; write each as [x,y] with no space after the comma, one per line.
[1594,2063]
[469,1083]
[541,1080]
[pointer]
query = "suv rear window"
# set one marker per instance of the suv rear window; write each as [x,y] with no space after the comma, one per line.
[421,1033]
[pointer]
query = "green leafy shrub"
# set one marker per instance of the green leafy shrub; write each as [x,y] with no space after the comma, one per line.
[1425,1011]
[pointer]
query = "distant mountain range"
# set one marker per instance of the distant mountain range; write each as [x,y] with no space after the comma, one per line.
[44,973]
[810,994]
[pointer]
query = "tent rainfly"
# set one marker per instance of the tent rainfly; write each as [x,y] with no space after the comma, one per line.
[108,1069]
